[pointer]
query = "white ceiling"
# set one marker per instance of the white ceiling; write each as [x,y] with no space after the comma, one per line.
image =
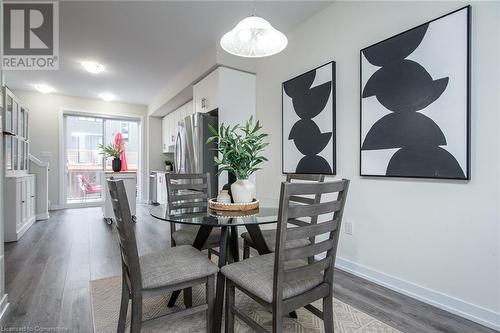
[144,44]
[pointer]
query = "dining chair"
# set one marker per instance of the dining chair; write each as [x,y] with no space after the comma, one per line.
[284,281]
[156,273]
[270,234]
[186,194]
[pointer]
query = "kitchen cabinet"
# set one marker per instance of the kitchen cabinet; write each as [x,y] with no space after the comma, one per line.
[10,112]
[16,134]
[206,93]
[21,201]
[232,93]
[170,126]
[164,133]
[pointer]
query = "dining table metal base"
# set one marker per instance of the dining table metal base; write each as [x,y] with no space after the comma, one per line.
[228,240]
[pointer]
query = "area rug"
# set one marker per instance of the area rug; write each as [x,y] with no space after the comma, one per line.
[106,303]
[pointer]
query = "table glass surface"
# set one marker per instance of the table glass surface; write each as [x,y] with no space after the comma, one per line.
[206,216]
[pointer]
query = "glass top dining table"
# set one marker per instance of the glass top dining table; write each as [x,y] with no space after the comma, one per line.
[207,216]
[227,222]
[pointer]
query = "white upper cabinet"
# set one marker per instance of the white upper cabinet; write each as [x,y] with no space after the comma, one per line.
[164,134]
[170,126]
[206,93]
[230,91]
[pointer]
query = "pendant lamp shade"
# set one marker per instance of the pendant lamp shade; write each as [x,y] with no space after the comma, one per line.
[253,37]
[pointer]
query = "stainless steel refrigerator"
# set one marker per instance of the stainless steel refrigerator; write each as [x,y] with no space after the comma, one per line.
[192,154]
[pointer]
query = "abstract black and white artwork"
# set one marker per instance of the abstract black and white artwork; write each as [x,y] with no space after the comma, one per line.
[309,122]
[415,101]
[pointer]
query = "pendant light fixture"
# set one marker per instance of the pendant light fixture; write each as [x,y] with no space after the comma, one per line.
[253,37]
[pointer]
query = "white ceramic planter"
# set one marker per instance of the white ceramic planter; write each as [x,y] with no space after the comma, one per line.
[243,191]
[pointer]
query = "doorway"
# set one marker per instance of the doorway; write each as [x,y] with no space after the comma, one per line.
[85,167]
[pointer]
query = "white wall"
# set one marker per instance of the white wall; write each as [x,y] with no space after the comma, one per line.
[156,158]
[45,128]
[178,89]
[3,296]
[436,240]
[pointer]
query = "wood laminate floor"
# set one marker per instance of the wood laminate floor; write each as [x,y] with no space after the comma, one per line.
[49,269]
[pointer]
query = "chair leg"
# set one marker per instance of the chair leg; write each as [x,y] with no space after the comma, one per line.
[123,308]
[230,296]
[210,254]
[328,313]
[246,250]
[210,295]
[136,321]
[188,297]
[277,318]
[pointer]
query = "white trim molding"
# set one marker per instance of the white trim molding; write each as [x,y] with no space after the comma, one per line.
[448,303]
[4,301]
[55,207]
[4,307]
[42,216]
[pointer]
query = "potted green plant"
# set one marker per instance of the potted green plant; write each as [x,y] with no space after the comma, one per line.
[240,149]
[169,165]
[114,152]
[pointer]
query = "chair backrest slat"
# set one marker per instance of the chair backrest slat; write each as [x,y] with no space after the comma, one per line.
[328,219]
[187,193]
[188,190]
[126,235]
[191,186]
[311,230]
[296,198]
[315,188]
[304,200]
[180,205]
[308,250]
[308,177]
[299,223]
[314,209]
[190,196]
[307,271]
[184,176]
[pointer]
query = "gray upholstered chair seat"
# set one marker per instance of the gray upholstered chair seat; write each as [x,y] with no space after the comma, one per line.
[256,276]
[270,238]
[187,234]
[175,265]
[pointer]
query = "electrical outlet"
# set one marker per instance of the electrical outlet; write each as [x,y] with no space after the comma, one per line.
[348,228]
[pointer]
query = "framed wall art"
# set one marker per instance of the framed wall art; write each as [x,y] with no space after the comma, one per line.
[308,122]
[415,101]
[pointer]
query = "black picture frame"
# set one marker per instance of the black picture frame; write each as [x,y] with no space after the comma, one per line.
[334,121]
[468,100]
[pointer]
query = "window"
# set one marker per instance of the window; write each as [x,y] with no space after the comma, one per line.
[85,167]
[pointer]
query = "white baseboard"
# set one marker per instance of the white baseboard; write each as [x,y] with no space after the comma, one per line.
[42,216]
[4,307]
[55,207]
[448,303]
[25,227]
